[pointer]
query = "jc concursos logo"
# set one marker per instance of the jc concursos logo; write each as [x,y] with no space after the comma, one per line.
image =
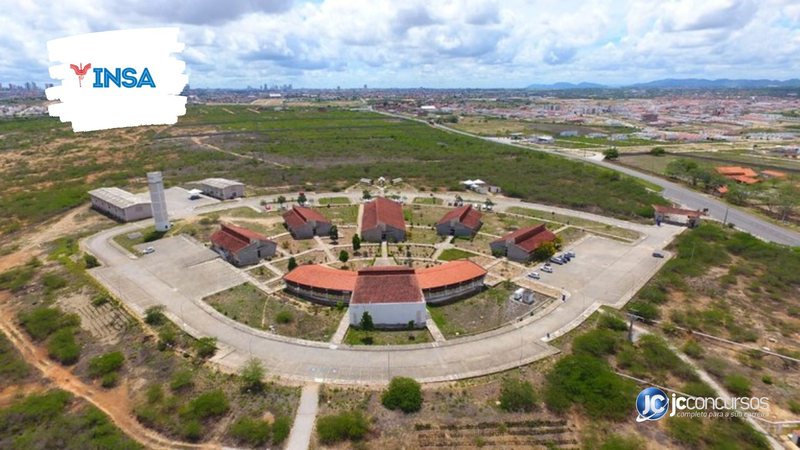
[651,404]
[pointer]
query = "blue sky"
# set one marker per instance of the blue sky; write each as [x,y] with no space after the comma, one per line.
[431,43]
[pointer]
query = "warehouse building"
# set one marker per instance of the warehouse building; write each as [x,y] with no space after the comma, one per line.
[241,246]
[383,221]
[119,204]
[464,221]
[519,245]
[391,295]
[305,223]
[222,188]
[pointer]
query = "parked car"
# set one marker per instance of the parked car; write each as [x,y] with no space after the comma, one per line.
[547,269]
[570,253]
[658,254]
[557,260]
[565,257]
[148,250]
[534,275]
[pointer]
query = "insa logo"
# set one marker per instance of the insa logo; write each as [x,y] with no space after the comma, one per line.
[126,78]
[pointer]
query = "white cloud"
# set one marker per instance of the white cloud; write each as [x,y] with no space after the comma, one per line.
[482,43]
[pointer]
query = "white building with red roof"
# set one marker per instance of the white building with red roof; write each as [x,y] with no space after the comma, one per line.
[463,221]
[519,245]
[383,221]
[241,246]
[305,223]
[391,295]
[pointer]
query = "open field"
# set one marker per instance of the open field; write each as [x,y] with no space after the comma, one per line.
[558,220]
[484,311]
[294,149]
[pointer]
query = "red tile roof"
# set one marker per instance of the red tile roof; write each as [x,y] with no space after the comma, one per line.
[661,209]
[744,179]
[387,284]
[453,272]
[383,210]
[467,215]
[299,215]
[234,238]
[322,277]
[529,238]
[731,171]
[774,173]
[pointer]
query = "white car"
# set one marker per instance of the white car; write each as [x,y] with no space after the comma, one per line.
[148,250]
[534,275]
[547,269]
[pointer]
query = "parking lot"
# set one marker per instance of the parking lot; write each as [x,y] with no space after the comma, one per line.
[178,202]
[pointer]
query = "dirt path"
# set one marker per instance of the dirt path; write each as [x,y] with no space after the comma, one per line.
[199,141]
[113,402]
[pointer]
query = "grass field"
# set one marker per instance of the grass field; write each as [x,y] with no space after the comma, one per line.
[452,254]
[334,201]
[384,337]
[309,149]
[485,311]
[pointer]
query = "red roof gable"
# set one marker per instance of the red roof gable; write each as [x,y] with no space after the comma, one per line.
[449,273]
[392,284]
[299,215]
[383,210]
[234,238]
[529,238]
[466,215]
[322,277]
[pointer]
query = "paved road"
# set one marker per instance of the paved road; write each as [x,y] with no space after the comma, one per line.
[681,195]
[143,282]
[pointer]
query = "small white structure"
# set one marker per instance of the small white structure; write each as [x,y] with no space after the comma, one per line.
[480,186]
[158,201]
[391,295]
[222,188]
[120,204]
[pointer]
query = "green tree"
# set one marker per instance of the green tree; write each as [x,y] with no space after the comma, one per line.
[334,233]
[302,198]
[356,242]
[343,256]
[254,432]
[292,264]
[611,153]
[252,376]
[658,151]
[105,364]
[90,261]
[350,425]
[365,194]
[517,395]
[404,394]
[281,200]
[205,347]
[544,251]
[366,322]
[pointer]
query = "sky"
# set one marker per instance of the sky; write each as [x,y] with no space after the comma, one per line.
[428,43]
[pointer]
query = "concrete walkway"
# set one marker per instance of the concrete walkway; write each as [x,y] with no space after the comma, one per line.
[442,246]
[434,330]
[300,436]
[325,248]
[344,325]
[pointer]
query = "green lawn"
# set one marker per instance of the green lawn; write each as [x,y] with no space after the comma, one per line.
[428,200]
[590,225]
[382,337]
[452,254]
[334,201]
[148,234]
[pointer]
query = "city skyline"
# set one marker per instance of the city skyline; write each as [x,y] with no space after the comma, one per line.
[452,44]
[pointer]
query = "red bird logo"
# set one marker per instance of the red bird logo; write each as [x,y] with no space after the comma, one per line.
[80,71]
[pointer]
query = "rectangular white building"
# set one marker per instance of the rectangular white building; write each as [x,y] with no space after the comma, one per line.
[120,204]
[222,188]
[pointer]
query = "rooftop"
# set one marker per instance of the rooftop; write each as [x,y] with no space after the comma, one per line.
[234,238]
[529,238]
[322,277]
[387,284]
[383,211]
[661,209]
[453,272]
[220,183]
[117,197]
[467,215]
[299,215]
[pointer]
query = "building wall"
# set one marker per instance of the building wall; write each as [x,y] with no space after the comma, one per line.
[390,315]
[322,296]
[498,247]
[323,228]
[224,193]
[251,254]
[515,253]
[131,213]
[372,235]
[378,233]
[304,232]
[452,293]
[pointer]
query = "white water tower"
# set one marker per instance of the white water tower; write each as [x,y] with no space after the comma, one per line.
[158,201]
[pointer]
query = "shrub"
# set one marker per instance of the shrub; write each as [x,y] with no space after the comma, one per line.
[292,264]
[658,151]
[205,347]
[154,394]
[646,310]
[42,322]
[284,317]
[612,322]
[404,394]
[62,347]
[618,442]
[766,379]
[207,404]
[346,425]
[252,376]
[100,300]
[166,338]
[192,430]
[105,364]
[737,384]
[280,429]
[693,349]
[794,406]
[154,315]
[254,432]
[109,380]
[611,153]
[53,282]
[685,430]
[181,379]
[343,256]
[366,322]
[90,261]
[517,395]
[596,342]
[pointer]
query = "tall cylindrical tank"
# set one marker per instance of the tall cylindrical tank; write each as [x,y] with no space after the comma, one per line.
[158,201]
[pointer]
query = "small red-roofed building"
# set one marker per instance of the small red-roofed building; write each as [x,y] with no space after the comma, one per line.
[464,221]
[241,246]
[450,281]
[773,174]
[305,223]
[519,245]
[391,295]
[383,221]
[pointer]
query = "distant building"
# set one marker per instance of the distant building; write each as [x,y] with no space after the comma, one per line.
[383,221]
[773,174]
[480,186]
[568,133]
[519,245]
[222,188]
[305,223]
[391,295]
[669,214]
[321,284]
[463,221]
[241,246]
[450,281]
[119,204]
[739,174]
